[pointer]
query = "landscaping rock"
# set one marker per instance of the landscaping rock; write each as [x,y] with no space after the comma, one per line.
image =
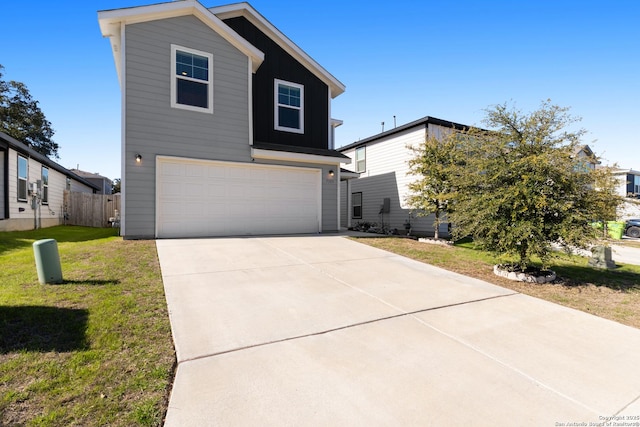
[543,276]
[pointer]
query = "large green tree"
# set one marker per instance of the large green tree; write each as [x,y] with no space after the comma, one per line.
[22,118]
[523,188]
[434,164]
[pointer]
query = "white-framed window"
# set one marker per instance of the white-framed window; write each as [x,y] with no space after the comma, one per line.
[191,79]
[45,186]
[636,184]
[289,106]
[361,160]
[356,205]
[23,176]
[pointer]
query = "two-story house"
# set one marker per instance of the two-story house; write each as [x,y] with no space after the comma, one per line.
[379,194]
[226,124]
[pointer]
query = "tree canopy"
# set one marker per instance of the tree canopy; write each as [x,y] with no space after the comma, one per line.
[434,189]
[22,118]
[521,187]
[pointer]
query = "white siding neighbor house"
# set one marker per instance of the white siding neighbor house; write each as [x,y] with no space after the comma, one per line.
[32,187]
[379,194]
[629,188]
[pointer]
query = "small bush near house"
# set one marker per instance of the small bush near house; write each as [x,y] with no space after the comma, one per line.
[94,350]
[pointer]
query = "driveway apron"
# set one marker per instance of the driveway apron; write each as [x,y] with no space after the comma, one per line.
[322,330]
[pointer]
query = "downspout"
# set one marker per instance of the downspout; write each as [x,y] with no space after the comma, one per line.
[6,185]
[349,203]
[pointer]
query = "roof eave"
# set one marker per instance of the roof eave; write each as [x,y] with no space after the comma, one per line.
[424,121]
[247,11]
[23,148]
[111,21]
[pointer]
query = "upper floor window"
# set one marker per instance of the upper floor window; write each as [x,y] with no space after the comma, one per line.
[289,108]
[361,162]
[23,173]
[191,79]
[45,186]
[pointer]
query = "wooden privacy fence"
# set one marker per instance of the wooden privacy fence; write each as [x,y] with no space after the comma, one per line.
[91,210]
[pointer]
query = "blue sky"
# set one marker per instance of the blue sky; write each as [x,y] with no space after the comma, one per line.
[449,60]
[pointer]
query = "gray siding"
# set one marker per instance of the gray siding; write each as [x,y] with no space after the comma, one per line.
[153,128]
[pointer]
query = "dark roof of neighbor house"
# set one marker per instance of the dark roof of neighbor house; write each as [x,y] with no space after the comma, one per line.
[301,150]
[420,122]
[7,141]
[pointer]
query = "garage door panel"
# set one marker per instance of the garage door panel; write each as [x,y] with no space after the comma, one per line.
[200,198]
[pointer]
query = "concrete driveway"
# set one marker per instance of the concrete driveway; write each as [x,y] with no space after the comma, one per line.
[324,331]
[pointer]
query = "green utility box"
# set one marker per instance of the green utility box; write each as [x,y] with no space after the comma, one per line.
[47,261]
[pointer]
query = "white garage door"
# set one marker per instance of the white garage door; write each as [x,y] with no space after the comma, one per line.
[207,198]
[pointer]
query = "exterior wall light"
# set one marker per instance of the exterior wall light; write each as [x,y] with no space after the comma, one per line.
[138,158]
[331,173]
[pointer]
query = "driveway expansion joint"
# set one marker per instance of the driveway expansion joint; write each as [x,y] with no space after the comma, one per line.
[354,325]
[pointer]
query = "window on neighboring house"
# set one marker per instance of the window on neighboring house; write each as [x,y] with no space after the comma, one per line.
[68,184]
[289,106]
[23,173]
[45,186]
[192,79]
[356,205]
[361,163]
[636,184]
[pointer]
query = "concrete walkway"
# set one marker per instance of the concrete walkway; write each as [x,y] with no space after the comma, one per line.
[324,331]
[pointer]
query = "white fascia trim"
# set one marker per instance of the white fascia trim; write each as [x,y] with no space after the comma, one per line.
[120,59]
[348,175]
[247,11]
[259,153]
[336,122]
[111,20]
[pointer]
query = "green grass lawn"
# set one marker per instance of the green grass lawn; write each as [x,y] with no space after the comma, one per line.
[94,350]
[612,294]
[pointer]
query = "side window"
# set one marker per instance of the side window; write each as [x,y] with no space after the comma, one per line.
[361,162]
[356,205]
[23,173]
[45,186]
[191,79]
[289,106]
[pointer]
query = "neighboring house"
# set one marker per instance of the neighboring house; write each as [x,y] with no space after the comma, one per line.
[104,184]
[586,157]
[32,187]
[226,124]
[628,182]
[629,188]
[379,194]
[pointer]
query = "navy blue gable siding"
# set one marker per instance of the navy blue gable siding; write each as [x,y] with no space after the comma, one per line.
[278,64]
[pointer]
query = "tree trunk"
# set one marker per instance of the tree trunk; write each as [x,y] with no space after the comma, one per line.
[436,223]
